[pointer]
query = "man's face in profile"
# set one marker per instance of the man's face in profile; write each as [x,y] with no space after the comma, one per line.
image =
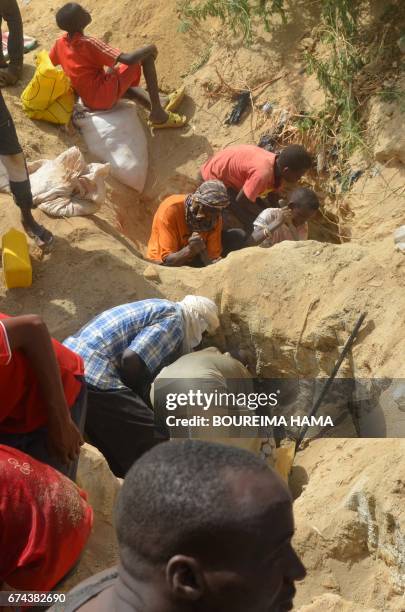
[265,567]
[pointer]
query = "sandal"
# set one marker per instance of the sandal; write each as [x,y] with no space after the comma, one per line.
[175,99]
[173,121]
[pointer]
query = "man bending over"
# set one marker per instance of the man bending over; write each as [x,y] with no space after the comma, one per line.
[251,173]
[84,59]
[123,349]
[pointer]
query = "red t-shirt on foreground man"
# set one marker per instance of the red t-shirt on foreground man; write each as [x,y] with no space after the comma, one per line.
[43,395]
[45,522]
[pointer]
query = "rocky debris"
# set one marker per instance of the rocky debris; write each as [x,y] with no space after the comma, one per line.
[399,238]
[96,478]
[102,488]
[353,515]
[386,121]
[151,273]
[333,603]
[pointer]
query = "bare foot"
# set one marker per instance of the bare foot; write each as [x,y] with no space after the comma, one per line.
[159,116]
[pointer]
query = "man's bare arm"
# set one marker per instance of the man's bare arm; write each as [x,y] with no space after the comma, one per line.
[196,246]
[30,335]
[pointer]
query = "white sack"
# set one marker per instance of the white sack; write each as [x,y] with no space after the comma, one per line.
[116,137]
[4,186]
[67,186]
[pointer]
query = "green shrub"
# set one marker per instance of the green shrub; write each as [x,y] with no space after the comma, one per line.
[238,15]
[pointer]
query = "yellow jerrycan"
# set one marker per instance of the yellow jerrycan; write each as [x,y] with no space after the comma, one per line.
[16,260]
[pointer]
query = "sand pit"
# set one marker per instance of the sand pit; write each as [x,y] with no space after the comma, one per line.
[293,305]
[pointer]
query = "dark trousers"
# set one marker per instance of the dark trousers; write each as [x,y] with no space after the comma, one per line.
[10,12]
[34,443]
[9,144]
[232,240]
[245,213]
[122,426]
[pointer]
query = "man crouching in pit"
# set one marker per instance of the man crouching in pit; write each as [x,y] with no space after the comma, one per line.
[219,387]
[201,527]
[187,229]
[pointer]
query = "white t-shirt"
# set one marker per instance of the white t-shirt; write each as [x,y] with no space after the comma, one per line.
[269,215]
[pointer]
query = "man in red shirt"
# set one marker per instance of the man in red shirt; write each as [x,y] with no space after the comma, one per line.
[250,172]
[43,395]
[45,522]
[84,59]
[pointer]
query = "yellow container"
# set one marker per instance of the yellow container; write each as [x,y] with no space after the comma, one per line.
[16,260]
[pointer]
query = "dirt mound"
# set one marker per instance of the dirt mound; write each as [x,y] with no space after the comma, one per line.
[333,603]
[354,546]
[293,305]
[102,487]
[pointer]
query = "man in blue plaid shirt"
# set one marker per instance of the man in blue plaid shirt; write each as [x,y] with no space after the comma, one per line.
[123,349]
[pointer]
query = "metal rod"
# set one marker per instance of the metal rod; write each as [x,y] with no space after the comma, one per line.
[331,378]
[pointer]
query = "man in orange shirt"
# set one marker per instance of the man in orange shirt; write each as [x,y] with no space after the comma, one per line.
[187,229]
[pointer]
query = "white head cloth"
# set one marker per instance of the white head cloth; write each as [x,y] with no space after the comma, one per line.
[200,314]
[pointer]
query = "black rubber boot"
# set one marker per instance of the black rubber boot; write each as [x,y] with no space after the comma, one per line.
[22,195]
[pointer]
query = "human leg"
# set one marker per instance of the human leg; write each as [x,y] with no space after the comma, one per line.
[141,96]
[15,36]
[159,106]
[12,16]
[128,86]
[158,115]
[21,190]
[169,102]
[121,425]
[13,159]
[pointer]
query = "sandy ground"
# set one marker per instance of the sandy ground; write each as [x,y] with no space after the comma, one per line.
[293,305]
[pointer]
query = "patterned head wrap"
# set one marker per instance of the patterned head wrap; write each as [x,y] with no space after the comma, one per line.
[211,194]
